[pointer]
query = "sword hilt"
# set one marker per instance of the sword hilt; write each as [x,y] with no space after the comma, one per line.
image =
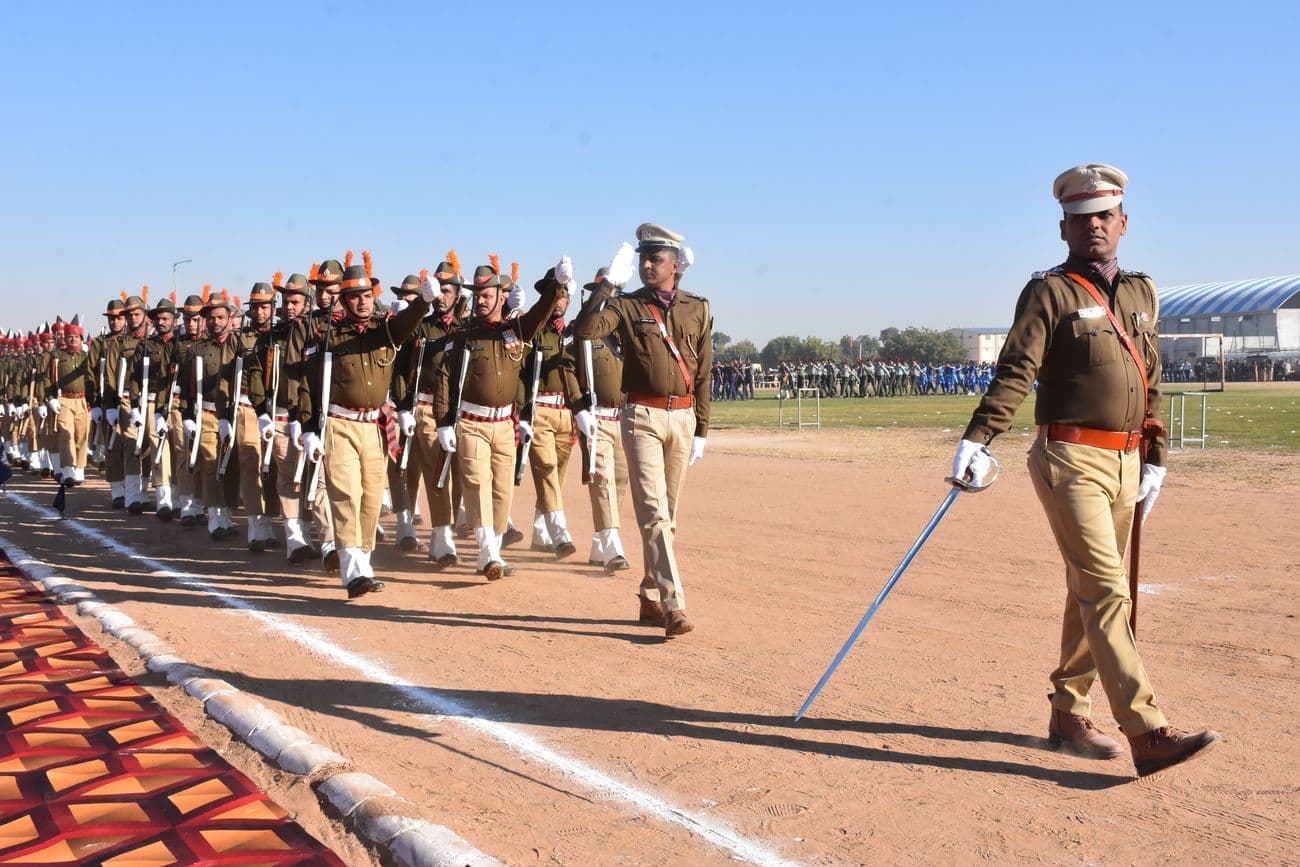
[968,487]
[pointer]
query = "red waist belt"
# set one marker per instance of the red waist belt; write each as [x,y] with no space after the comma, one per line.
[81,394]
[1116,441]
[660,401]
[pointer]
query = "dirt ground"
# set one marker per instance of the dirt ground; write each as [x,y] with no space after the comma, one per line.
[929,744]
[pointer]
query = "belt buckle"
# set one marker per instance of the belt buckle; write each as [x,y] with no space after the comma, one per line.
[671,401]
[1132,440]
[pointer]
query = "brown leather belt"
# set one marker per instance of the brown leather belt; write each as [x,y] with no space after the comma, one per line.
[662,401]
[1116,441]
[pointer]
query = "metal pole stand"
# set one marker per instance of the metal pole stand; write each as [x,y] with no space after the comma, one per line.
[817,396]
[1183,438]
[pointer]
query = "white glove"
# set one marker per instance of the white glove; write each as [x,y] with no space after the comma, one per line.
[295,433]
[398,306]
[136,418]
[313,446]
[111,415]
[586,421]
[515,298]
[429,288]
[406,420]
[266,427]
[96,414]
[191,427]
[447,439]
[1149,488]
[972,458]
[697,450]
[621,266]
[466,294]
[525,430]
[685,259]
[159,424]
[53,404]
[41,410]
[4,409]
[564,271]
[223,429]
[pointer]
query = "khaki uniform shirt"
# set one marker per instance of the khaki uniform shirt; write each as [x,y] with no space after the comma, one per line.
[407,381]
[648,364]
[160,349]
[69,371]
[1086,377]
[218,361]
[607,370]
[557,375]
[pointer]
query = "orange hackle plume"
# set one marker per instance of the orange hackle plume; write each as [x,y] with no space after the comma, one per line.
[370,263]
[224,294]
[514,272]
[424,276]
[144,294]
[454,261]
[125,297]
[314,272]
[347,260]
[207,292]
[172,296]
[496,262]
[277,280]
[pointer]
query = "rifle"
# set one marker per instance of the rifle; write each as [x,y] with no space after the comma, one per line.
[121,387]
[99,428]
[234,416]
[198,408]
[589,469]
[144,405]
[326,374]
[529,413]
[272,401]
[415,401]
[455,417]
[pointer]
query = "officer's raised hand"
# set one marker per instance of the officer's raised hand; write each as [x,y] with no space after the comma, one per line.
[621,266]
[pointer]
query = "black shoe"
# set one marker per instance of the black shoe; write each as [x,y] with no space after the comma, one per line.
[330,563]
[408,544]
[166,513]
[446,561]
[148,506]
[618,564]
[136,508]
[272,544]
[512,536]
[257,546]
[565,549]
[301,555]
[119,502]
[494,571]
[363,585]
[188,520]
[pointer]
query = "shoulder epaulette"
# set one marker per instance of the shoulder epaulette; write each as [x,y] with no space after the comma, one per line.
[1039,275]
[1136,273]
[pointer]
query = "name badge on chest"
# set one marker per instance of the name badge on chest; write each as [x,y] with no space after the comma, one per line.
[1090,313]
[510,340]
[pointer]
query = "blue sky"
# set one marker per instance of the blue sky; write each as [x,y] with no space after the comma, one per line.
[837,169]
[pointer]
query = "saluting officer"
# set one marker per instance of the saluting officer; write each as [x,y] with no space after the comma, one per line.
[666,335]
[476,419]
[611,464]
[360,432]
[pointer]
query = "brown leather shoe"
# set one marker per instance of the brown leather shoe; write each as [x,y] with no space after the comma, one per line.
[651,612]
[1078,735]
[1165,747]
[675,623]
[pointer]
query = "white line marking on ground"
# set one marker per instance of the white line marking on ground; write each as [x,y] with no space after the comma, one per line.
[441,706]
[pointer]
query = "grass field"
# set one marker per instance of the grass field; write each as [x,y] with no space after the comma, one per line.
[1264,416]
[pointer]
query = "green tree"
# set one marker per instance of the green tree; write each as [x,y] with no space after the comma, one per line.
[922,344]
[862,346]
[720,341]
[743,349]
[778,349]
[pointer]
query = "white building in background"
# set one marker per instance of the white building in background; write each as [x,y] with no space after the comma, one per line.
[981,344]
[1254,316]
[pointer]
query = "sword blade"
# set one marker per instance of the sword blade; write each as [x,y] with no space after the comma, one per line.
[880,598]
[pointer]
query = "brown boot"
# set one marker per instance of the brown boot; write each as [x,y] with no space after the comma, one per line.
[1077,734]
[1165,747]
[675,623]
[651,612]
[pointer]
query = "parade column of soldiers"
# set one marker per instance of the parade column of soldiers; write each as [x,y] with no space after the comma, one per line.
[312,416]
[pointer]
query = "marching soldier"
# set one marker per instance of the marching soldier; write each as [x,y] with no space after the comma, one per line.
[281,405]
[187,495]
[553,430]
[602,384]
[137,329]
[102,357]
[350,425]
[256,427]
[404,486]
[150,369]
[208,388]
[666,335]
[71,382]
[474,401]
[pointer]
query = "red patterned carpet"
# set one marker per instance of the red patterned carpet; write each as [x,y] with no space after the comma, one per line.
[94,771]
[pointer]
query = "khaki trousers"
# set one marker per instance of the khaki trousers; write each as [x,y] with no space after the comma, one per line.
[355,459]
[284,455]
[548,456]
[205,471]
[610,477]
[1088,495]
[122,454]
[658,444]
[74,432]
[430,457]
[114,465]
[485,451]
[160,453]
[248,451]
[180,458]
